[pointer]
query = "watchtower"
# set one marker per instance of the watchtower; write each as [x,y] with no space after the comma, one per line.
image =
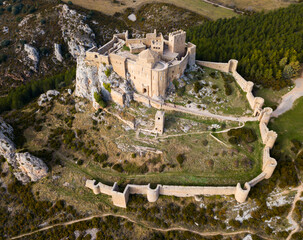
[159,122]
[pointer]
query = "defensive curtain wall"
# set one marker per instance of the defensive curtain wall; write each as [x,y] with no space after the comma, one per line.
[269,137]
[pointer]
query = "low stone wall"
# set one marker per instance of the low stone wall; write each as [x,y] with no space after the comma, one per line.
[268,137]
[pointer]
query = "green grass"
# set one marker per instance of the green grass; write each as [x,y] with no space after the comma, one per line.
[272,98]
[289,125]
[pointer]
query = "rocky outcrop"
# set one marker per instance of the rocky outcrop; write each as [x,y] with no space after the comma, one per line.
[26,167]
[31,166]
[75,32]
[57,52]
[32,53]
[48,96]
[91,79]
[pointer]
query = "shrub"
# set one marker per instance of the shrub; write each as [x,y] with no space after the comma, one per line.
[99,99]
[107,72]
[107,87]
[3,58]
[118,167]
[197,87]
[244,134]
[70,3]
[181,91]
[43,21]
[134,155]
[180,158]
[5,43]
[80,162]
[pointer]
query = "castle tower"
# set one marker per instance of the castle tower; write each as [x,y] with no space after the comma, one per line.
[159,122]
[241,194]
[177,42]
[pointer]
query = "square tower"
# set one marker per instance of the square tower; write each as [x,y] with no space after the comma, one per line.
[159,122]
[176,42]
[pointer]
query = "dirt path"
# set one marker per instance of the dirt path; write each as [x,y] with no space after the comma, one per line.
[289,98]
[289,216]
[142,224]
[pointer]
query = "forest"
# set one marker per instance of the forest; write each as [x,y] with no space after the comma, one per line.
[23,94]
[268,46]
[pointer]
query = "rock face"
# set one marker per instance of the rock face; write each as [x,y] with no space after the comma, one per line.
[57,52]
[75,32]
[25,166]
[48,96]
[91,79]
[32,52]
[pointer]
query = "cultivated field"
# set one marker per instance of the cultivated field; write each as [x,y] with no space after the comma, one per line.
[256,5]
[198,6]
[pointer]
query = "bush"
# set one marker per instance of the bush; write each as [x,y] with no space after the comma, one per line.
[99,99]
[244,134]
[80,162]
[107,72]
[3,58]
[5,43]
[180,158]
[181,91]
[107,87]
[70,3]
[134,155]
[118,167]
[197,87]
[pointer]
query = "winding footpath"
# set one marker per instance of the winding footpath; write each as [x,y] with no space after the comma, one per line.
[289,98]
[203,234]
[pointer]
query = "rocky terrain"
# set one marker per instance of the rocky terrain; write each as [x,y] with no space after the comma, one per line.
[25,166]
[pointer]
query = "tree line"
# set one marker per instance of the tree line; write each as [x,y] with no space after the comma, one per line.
[268,45]
[23,94]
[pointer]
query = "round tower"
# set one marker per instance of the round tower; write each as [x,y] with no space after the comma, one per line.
[241,194]
[153,194]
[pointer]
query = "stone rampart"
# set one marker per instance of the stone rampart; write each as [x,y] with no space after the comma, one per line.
[223,67]
[120,199]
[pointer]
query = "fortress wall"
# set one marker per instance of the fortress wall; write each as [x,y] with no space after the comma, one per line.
[251,99]
[107,46]
[176,71]
[142,99]
[265,115]
[120,199]
[117,96]
[269,163]
[263,131]
[118,63]
[223,67]
[257,179]
[192,54]
[184,191]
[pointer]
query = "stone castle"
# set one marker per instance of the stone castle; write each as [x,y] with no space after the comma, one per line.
[151,63]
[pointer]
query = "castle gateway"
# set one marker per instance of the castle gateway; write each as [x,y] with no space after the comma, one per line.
[151,63]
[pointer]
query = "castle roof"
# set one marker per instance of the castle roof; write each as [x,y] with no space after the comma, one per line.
[149,56]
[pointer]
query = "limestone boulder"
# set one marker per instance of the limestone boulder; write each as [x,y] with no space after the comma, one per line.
[58,52]
[31,166]
[26,167]
[48,96]
[32,53]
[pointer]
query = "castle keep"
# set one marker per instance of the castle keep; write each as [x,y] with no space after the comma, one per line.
[151,63]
